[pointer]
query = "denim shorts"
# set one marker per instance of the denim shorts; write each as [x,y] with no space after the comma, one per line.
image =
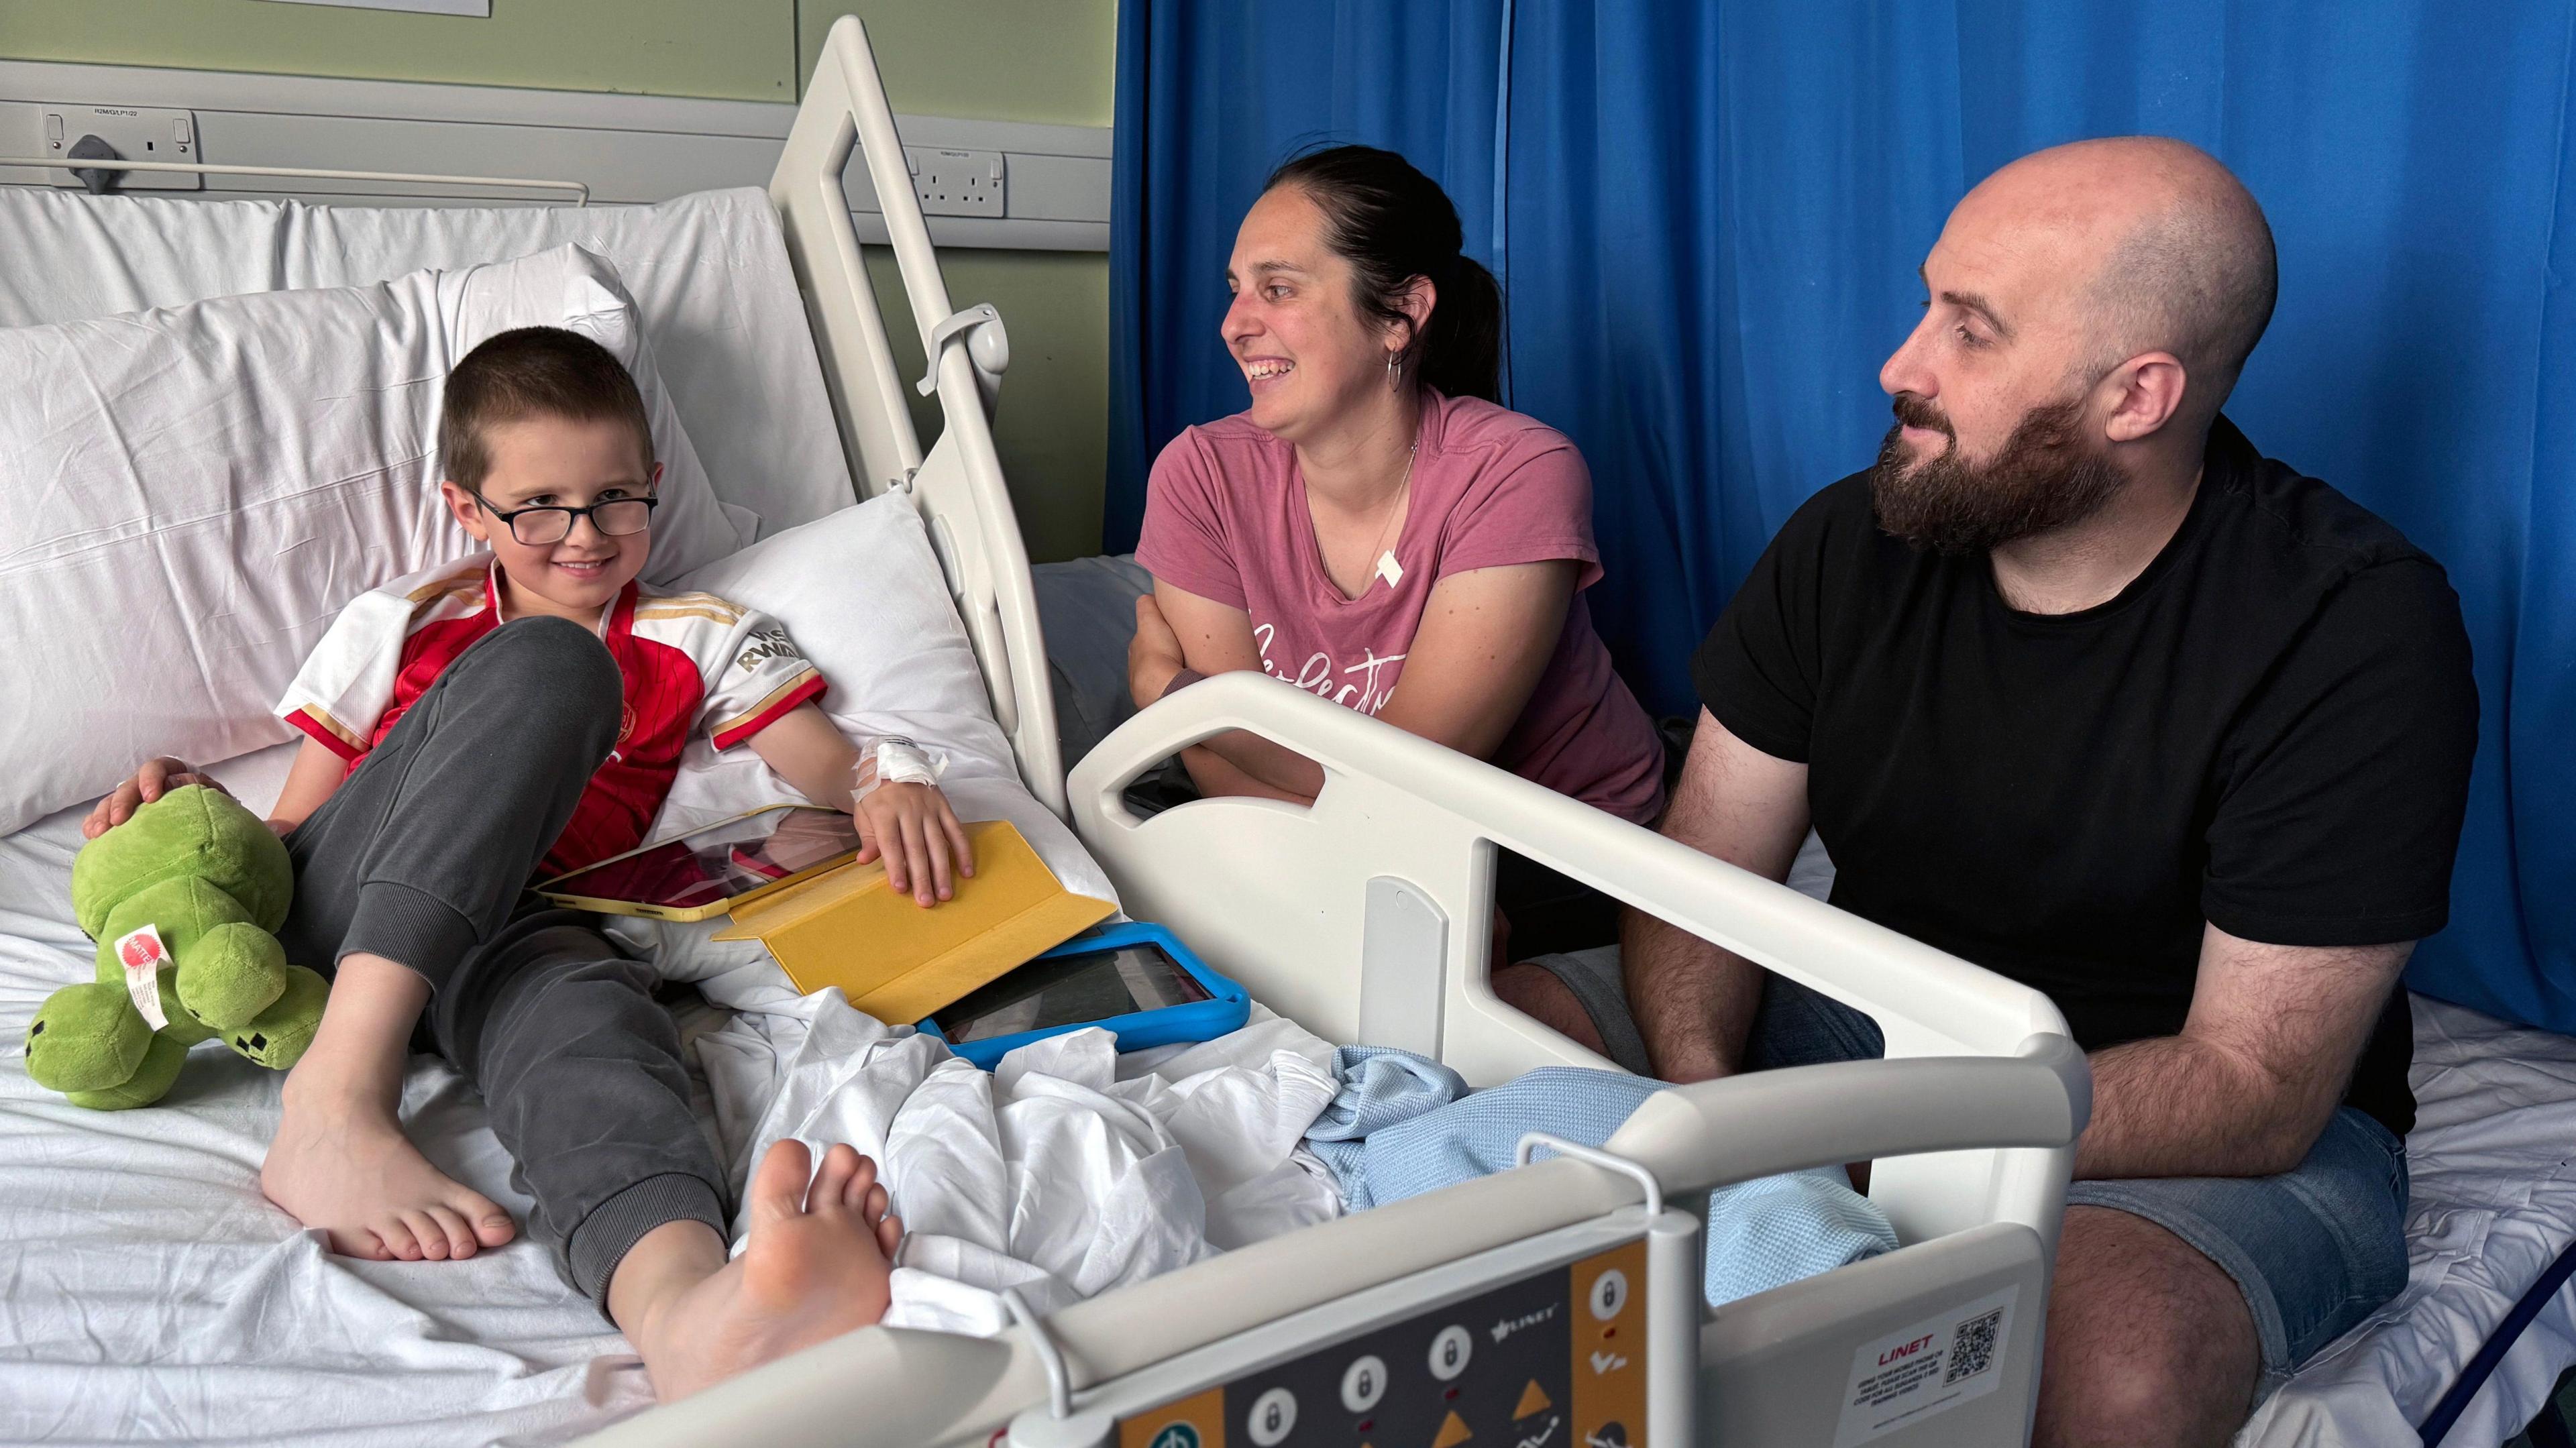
[2315,1249]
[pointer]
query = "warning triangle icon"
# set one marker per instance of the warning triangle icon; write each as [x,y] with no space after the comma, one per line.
[1453,1431]
[1534,1399]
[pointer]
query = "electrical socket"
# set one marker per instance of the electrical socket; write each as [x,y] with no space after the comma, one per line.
[957,183]
[139,133]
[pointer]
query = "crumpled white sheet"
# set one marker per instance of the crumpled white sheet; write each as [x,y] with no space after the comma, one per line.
[1050,1174]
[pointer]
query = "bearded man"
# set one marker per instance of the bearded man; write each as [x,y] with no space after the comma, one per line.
[2077,685]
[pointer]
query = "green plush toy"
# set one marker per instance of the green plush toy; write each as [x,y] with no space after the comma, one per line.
[211,881]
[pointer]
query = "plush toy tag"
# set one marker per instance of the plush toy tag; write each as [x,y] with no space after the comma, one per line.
[143,954]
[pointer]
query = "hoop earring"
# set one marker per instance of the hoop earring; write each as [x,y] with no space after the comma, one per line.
[1394,371]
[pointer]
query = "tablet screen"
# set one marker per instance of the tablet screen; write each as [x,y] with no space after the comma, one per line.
[719,862]
[1071,990]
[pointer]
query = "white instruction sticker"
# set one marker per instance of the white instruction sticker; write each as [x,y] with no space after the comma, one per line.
[144,954]
[1935,1365]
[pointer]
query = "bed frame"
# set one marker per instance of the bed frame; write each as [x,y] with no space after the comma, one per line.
[1367,917]
[958,486]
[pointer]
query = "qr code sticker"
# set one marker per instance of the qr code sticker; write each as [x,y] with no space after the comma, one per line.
[1972,1348]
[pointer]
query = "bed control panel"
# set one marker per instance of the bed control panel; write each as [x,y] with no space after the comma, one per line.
[1556,1359]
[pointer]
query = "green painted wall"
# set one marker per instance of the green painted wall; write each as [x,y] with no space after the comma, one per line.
[1012,60]
[729,49]
[1052,429]
[1016,60]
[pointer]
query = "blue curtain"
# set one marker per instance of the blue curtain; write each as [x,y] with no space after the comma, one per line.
[1711,211]
[1211,97]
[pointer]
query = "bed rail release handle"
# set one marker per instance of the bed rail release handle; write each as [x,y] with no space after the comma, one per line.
[988,346]
[1059,1426]
[1059,1378]
[1607,1161]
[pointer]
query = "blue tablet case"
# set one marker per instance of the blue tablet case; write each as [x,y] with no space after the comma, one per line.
[1225,1009]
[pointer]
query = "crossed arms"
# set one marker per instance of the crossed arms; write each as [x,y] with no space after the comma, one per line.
[1485,637]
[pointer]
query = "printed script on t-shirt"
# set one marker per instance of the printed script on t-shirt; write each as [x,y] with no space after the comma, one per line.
[1318,675]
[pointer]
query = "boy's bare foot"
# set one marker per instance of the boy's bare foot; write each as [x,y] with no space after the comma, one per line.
[816,1267]
[341,1163]
[339,1160]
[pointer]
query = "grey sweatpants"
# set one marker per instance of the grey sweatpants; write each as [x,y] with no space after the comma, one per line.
[423,855]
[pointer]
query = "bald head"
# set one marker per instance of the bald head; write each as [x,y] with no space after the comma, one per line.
[2180,259]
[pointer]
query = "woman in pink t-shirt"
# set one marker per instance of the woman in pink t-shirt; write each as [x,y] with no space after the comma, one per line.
[1374,529]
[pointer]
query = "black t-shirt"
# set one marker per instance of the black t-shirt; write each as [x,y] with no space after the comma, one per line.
[2269,730]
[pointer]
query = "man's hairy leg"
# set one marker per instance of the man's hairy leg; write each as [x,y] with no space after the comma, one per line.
[1693,1001]
[2149,1342]
[817,1264]
[340,1160]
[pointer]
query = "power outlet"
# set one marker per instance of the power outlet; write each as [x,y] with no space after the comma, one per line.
[957,183]
[137,133]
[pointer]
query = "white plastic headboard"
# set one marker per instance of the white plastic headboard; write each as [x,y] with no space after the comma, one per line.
[958,487]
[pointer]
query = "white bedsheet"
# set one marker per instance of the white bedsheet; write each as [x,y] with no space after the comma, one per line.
[1049,1174]
[152,1293]
[2493,1201]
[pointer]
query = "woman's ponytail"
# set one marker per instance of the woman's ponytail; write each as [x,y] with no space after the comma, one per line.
[1392,224]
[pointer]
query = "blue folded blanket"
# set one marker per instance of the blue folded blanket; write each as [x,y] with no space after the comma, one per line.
[1403,1125]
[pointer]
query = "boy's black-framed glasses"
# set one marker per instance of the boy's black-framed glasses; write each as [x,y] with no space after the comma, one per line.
[535,527]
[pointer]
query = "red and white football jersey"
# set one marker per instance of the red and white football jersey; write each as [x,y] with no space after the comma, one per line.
[691,662]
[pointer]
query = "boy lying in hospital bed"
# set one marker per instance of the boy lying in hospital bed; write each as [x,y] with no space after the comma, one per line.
[466,729]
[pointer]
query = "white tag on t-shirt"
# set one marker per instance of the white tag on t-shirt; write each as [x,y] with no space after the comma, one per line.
[1389,569]
[143,955]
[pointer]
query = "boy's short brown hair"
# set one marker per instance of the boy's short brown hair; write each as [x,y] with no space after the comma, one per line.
[533,372]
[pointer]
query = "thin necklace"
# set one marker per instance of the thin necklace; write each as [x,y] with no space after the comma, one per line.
[1377,549]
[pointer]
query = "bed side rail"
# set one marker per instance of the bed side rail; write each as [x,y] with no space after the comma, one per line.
[959,486]
[883,1388]
[1368,917]
[1766,1122]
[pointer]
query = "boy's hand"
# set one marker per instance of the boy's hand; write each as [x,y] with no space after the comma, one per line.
[924,847]
[156,778]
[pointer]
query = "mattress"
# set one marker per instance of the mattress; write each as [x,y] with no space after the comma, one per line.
[708,271]
[2492,1203]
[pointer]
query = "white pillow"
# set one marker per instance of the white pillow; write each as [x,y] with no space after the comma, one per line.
[189,495]
[575,288]
[862,595]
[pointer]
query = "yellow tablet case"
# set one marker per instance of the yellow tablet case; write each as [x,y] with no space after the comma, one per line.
[899,962]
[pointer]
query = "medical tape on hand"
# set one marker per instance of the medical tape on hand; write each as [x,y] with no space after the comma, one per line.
[898,760]
[142,954]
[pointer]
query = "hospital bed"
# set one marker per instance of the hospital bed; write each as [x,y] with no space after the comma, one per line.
[1365,918]
[1557,1303]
